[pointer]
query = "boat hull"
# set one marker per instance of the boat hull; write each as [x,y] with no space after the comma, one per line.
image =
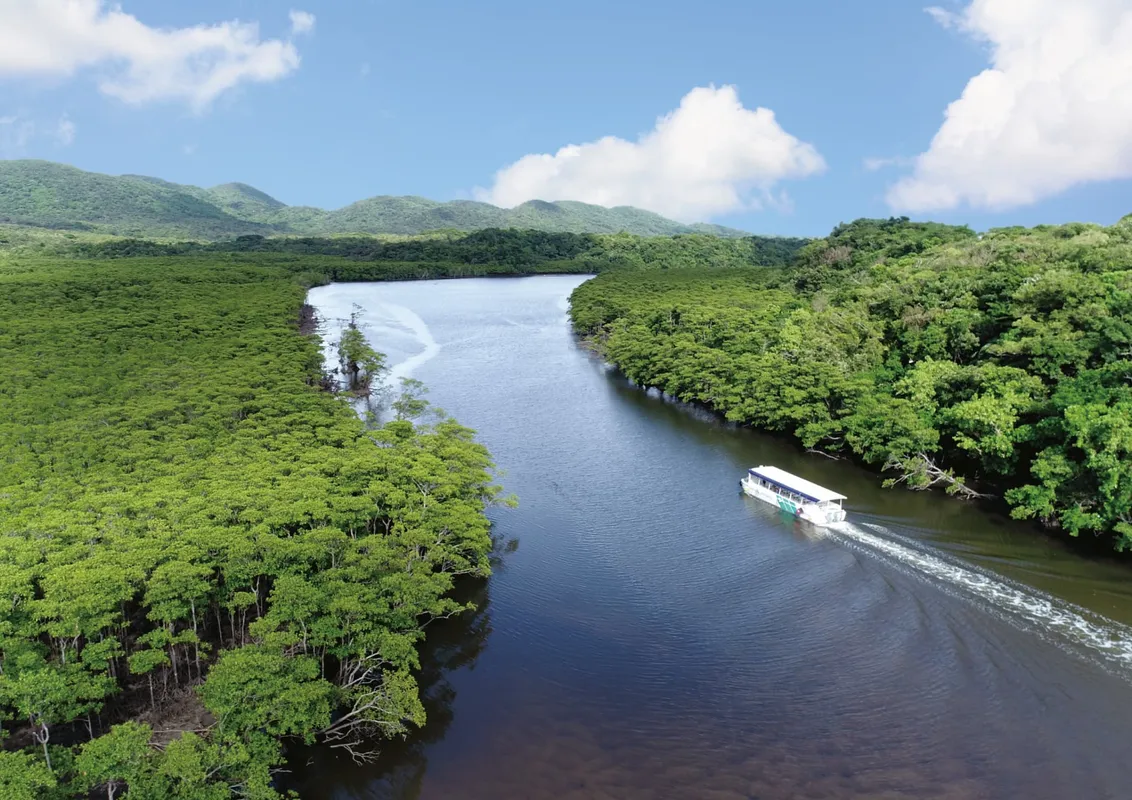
[810,512]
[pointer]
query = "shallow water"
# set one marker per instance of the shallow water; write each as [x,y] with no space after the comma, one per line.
[650,632]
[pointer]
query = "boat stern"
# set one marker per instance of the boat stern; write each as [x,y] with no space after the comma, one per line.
[822,514]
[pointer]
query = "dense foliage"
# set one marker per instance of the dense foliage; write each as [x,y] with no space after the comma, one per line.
[196,538]
[492,250]
[51,195]
[999,363]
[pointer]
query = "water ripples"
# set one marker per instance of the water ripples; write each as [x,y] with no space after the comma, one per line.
[1112,641]
[656,634]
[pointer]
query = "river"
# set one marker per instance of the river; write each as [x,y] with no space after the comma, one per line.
[650,632]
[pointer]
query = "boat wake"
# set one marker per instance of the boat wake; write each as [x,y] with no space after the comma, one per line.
[382,324]
[1057,620]
[410,320]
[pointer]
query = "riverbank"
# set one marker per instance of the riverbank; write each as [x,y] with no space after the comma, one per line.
[964,367]
[205,552]
[651,633]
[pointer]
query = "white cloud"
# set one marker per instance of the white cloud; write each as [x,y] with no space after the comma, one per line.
[137,63]
[189,149]
[708,157]
[301,22]
[1054,109]
[364,70]
[65,131]
[948,19]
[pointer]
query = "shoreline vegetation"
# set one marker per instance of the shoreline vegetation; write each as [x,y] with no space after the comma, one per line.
[204,554]
[440,254]
[986,365]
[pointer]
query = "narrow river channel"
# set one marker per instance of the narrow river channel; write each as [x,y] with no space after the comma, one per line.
[649,632]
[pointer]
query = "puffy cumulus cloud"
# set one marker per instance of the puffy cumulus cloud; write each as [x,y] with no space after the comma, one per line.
[708,157]
[301,22]
[138,63]
[1053,110]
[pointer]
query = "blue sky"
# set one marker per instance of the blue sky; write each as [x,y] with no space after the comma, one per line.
[434,97]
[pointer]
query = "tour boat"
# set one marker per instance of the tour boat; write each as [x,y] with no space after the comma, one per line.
[794,495]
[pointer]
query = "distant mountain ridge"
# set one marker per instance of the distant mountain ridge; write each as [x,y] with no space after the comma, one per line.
[52,195]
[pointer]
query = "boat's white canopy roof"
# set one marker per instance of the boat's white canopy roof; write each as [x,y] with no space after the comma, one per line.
[811,491]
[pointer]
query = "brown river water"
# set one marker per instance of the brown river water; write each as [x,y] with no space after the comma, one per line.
[650,632]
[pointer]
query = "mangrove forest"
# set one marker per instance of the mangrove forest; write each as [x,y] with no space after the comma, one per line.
[995,364]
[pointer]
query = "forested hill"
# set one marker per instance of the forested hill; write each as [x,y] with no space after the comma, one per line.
[998,364]
[50,195]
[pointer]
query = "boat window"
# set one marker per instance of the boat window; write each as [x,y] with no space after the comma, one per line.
[792,494]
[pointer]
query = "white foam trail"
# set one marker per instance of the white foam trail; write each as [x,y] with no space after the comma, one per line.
[389,316]
[410,320]
[1104,637]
